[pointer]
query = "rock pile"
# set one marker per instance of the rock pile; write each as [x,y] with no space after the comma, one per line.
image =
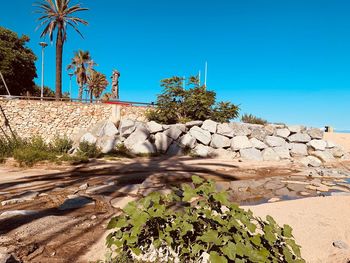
[219,140]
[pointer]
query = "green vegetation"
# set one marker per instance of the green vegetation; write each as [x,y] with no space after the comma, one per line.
[89,150]
[178,104]
[249,118]
[16,63]
[195,220]
[57,16]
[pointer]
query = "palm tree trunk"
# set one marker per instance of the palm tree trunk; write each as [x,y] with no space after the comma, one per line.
[90,96]
[80,95]
[59,51]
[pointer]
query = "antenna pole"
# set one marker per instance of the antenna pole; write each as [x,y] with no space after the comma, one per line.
[199,78]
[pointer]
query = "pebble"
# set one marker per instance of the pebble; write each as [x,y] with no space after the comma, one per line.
[274,199]
[340,244]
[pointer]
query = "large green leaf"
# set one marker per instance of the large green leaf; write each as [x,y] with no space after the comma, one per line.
[229,250]
[216,258]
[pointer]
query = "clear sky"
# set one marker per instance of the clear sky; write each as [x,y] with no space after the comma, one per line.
[286,61]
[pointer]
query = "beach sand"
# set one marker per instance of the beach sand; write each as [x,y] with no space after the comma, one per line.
[316,222]
[342,139]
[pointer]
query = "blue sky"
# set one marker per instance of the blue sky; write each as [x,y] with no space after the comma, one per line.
[286,61]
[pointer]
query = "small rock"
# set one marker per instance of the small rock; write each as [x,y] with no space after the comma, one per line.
[26,196]
[84,186]
[273,200]
[340,244]
[338,152]
[93,217]
[304,194]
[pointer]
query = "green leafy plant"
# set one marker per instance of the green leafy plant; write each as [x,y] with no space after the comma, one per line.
[197,222]
[61,145]
[194,102]
[250,118]
[28,156]
[89,149]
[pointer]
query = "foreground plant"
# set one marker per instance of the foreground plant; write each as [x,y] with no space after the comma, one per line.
[198,224]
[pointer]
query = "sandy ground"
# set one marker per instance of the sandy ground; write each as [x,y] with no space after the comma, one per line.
[317,222]
[342,139]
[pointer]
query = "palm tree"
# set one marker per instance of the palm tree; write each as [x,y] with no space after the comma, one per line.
[56,15]
[81,64]
[97,83]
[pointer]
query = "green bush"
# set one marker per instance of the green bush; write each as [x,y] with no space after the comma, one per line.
[249,118]
[89,149]
[179,104]
[29,155]
[195,221]
[61,145]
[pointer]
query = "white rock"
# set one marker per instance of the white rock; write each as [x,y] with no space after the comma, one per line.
[251,154]
[187,141]
[154,127]
[299,137]
[338,152]
[318,144]
[345,157]
[295,128]
[298,149]
[190,124]
[240,129]
[258,144]
[89,138]
[174,132]
[282,152]
[201,135]
[145,147]
[274,141]
[325,156]
[210,126]
[162,142]
[126,127]
[139,136]
[121,202]
[284,133]
[110,129]
[315,133]
[220,141]
[202,151]
[330,144]
[240,142]
[175,150]
[260,133]
[225,129]
[107,144]
[222,154]
[270,155]
[311,161]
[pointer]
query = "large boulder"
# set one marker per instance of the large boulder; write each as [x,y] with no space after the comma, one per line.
[284,133]
[270,155]
[251,154]
[187,141]
[274,141]
[318,144]
[299,137]
[89,138]
[107,144]
[260,133]
[154,127]
[258,144]
[311,161]
[162,142]
[175,150]
[220,141]
[315,133]
[225,129]
[140,135]
[201,135]
[210,126]
[295,128]
[240,129]
[145,147]
[282,152]
[222,154]
[298,149]
[105,128]
[202,150]
[126,127]
[240,142]
[325,156]
[174,131]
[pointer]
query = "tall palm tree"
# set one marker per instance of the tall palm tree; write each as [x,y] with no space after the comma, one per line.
[81,64]
[57,15]
[97,83]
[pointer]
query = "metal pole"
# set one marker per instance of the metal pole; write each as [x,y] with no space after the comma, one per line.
[205,74]
[43,45]
[199,78]
[70,85]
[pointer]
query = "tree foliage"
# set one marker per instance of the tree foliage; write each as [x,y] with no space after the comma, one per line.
[193,102]
[193,223]
[97,83]
[250,118]
[16,63]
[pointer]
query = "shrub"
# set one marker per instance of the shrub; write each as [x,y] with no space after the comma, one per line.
[29,155]
[249,118]
[89,150]
[194,222]
[178,104]
[61,145]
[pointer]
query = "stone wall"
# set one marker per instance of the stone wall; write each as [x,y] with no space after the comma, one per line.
[50,118]
[221,140]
